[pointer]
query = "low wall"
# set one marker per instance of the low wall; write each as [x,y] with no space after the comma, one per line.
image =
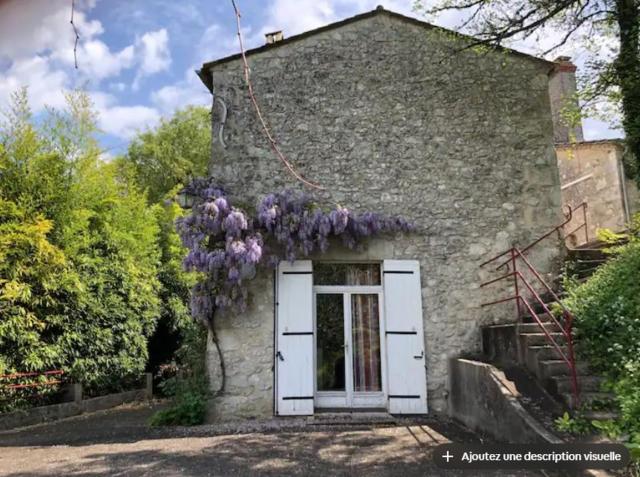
[38,415]
[483,399]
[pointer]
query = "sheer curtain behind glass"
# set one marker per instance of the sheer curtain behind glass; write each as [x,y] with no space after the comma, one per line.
[365,318]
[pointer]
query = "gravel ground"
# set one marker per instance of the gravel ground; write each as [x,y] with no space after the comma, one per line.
[118,442]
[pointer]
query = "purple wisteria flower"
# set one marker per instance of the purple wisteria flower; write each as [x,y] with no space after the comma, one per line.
[234,274]
[222,204]
[253,247]
[235,223]
[339,219]
[210,208]
[226,246]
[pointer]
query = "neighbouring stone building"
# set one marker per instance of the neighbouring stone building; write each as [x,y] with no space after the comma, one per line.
[389,116]
[591,172]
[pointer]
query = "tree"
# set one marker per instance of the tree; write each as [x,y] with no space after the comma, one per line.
[617,78]
[162,161]
[80,252]
[177,150]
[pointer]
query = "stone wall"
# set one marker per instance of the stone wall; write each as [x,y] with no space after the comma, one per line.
[389,117]
[592,172]
[246,343]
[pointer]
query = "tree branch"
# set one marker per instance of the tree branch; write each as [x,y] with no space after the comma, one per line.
[75,31]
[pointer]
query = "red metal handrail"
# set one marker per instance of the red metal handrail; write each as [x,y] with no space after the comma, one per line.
[565,330]
[34,373]
[568,218]
[50,382]
[521,301]
[584,224]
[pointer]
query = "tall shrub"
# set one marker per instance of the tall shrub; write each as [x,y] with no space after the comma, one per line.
[98,301]
[607,308]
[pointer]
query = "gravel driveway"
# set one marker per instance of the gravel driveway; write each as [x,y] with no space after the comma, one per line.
[117,442]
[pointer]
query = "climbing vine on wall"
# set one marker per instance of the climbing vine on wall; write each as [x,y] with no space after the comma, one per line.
[228,242]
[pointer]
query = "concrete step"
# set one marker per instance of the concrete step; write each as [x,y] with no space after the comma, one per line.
[529,339]
[562,384]
[544,352]
[535,354]
[587,398]
[601,415]
[351,418]
[582,254]
[527,319]
[559,367]
[536,328]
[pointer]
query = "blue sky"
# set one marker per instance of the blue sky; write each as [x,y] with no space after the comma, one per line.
[136,58]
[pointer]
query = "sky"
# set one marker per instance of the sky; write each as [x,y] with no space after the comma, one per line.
[136,58]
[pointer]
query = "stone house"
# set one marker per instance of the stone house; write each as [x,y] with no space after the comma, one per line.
[391,116]
[591,172]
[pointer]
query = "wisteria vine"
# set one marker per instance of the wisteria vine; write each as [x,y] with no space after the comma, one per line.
[227,245]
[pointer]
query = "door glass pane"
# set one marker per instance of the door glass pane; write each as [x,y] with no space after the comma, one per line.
[365,330]
[346,273]
[330,342]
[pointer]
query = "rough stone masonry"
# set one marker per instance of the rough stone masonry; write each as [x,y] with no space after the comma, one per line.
[390,116]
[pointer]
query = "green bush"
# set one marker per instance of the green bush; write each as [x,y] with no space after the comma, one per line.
[188,409]
[607,329]
[188,388]
[576,425]
[607,310]
[78,252]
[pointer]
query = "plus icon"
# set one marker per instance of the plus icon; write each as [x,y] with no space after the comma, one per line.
[448,456]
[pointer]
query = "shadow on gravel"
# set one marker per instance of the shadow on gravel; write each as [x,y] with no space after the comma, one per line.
[391,452]
[125,424]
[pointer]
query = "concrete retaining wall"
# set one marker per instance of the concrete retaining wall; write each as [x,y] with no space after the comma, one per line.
[483,399]
[38,415]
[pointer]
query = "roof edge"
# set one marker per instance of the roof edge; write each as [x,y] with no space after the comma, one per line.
[206,79]
[618,141]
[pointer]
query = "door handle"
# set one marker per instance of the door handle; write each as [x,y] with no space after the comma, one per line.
[420,356]
[279,356]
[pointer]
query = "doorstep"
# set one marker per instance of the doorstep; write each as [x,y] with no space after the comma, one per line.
[350,416]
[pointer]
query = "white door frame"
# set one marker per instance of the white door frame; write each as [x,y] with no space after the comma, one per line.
[349,398]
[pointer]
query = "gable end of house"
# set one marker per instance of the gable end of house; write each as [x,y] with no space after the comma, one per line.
[205,77]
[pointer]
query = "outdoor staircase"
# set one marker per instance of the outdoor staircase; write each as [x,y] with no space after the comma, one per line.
[541,342]
[542,358]
[582,262]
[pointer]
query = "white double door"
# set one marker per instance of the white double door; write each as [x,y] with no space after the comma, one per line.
[349,353]
[349,347]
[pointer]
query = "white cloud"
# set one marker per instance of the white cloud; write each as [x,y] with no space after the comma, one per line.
[177,96]
[36,49]
[125,121]
[153,51]
[594,129]
[285,14]
[37,26]
[120,120]
[106,156]
[45,84]
[217,42]
[186,92]
[118,86]
[96,61]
